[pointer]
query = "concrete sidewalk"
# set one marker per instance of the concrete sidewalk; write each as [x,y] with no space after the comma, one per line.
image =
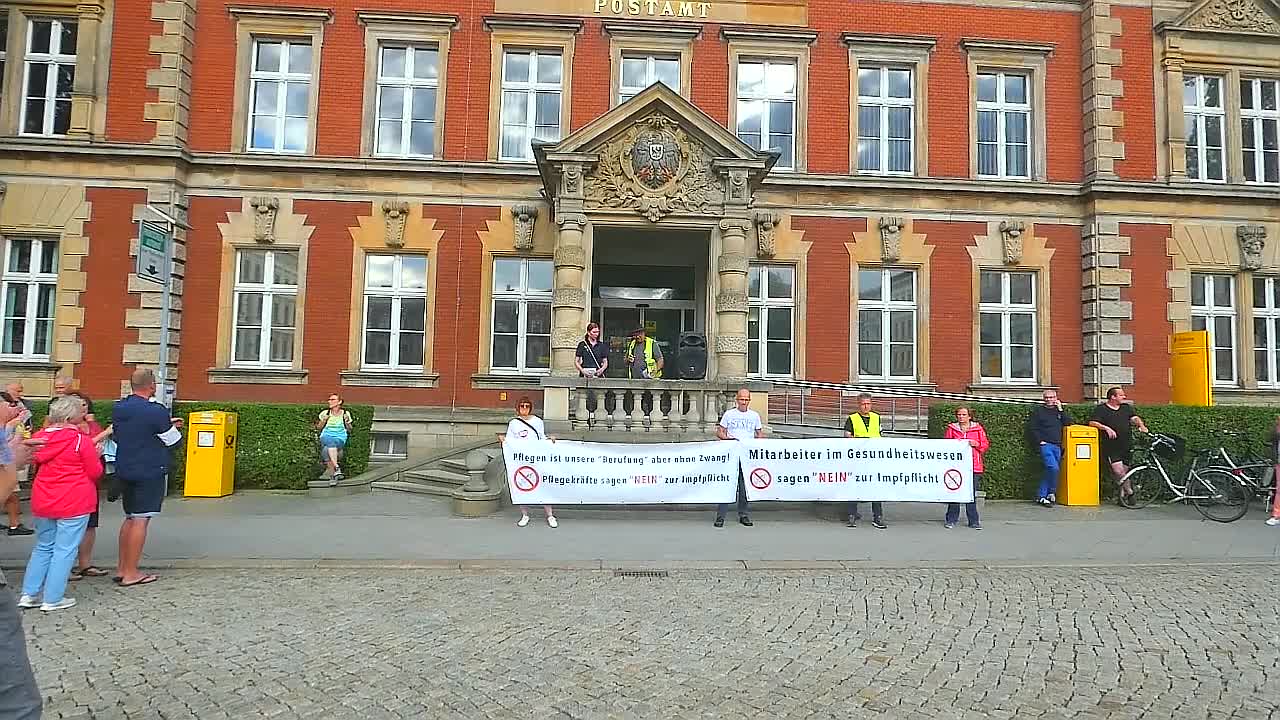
[253,529]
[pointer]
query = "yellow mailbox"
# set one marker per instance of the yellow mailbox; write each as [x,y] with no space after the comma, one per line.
[211,454]
[1078,481]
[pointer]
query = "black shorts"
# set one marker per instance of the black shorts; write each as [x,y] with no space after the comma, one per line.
[142,498]
[1116,454]
[93,517]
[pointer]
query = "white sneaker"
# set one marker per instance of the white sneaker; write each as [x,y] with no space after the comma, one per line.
[1273,521]
[551,520]
[27,602]
[62,604]
[524,520]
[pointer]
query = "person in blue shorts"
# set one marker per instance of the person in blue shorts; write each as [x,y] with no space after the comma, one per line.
[334,424]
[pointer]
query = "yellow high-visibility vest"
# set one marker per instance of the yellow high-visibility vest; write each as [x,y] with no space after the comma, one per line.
[650,362]
[862,430]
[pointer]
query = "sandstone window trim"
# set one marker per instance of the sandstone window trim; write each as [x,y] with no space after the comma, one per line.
[522,297]
[397,293]
[273,24]
[515,34]
[785,46]
[1206,315]
[404,30]
[40,274]
[910,52]
[765,305]
[885,306]
[1030,59]
[1005,309]
[627,39]
[92,59]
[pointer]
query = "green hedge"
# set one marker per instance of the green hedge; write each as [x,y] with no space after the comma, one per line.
[1012,467]
[277,445]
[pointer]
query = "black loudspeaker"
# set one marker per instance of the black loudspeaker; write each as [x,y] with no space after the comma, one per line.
[691,356]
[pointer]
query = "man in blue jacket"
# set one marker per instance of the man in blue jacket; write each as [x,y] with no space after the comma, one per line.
[1044,430]
[144,432]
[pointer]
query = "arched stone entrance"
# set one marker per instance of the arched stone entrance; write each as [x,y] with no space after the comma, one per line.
[655,162]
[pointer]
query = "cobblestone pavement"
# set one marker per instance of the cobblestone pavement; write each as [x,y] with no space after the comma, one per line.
[1140,642]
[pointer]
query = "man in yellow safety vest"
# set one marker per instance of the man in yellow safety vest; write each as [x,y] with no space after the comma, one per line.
[864,424]
[648,362]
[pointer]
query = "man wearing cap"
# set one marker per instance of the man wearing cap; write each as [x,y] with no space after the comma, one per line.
[647,362]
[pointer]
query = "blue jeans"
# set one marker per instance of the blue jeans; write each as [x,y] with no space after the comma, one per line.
[743,511]
[1051,456]
[57,542]
[970,509]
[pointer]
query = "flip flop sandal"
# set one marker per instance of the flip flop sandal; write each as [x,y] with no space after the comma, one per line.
[76,574]
[93,571]
[144,580]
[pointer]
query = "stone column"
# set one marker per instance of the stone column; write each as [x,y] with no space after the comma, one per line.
[731,301]
[1106,345]
[569,298]
[83,96]
[1098,61]
[1177,129]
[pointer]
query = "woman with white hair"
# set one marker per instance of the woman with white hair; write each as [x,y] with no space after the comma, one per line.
[64,494]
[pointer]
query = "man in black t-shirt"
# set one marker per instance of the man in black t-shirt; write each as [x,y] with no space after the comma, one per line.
[1115,418]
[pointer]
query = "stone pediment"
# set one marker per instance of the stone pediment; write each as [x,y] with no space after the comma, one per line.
[1247,17]
[656,155]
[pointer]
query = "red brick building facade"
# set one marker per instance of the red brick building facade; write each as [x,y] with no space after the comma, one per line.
[987,197]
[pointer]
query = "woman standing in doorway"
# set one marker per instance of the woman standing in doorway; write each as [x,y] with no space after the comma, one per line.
[334,424]
[527,426]
[966,428]
[592,357]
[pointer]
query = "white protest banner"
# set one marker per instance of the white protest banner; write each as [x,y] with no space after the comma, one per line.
[542,472]
[858,469]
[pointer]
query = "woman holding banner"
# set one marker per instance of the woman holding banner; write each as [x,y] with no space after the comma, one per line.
[527,426]
[966,428]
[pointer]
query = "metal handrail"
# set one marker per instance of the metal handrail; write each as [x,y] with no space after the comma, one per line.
[893,391]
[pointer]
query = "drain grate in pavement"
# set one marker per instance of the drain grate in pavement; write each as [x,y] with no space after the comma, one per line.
[640,573]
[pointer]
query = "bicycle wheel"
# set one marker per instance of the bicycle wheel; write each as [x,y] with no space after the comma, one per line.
[1148,485]
[1218,495]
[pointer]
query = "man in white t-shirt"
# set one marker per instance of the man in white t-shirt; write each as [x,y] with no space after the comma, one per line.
[739,423]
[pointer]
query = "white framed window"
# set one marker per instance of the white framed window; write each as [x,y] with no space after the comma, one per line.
[886,324]
[521,316]
[30,294]
[1266,331]
[280,96]
[395,311]
[532,83]
[1205,118]
[641,71]
[1260,129]
[389,446]
[48,74]
[1004,125]
[266,300]
[886,120]
[4,48]
[767,107]
[771,310]
[1213,309]
[408,83]
[1007,339]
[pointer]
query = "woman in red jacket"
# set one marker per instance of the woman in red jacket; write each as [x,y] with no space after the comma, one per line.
[64,494]
[966,428]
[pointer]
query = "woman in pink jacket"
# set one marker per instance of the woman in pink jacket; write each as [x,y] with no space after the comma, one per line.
[966,428]
[64,494]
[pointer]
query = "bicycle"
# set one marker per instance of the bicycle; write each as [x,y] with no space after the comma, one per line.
[1215,492]
[1254,470]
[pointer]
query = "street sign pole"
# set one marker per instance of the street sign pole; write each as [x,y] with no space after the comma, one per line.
[166,391]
